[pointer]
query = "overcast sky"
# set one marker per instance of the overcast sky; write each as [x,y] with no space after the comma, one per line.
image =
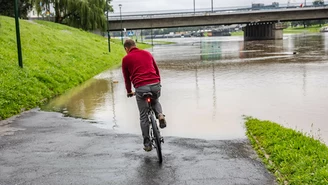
[160,5]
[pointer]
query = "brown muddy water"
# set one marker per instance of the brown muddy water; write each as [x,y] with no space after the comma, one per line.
[210,83]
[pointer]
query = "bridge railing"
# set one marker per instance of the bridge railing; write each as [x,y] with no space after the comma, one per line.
[200,12]
[172,13]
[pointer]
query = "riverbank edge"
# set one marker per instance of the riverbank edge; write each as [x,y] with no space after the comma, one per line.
[159,42]
[291,30]
[292,156]
[30,87]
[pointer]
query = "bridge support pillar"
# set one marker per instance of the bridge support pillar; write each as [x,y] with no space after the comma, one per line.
[263,31]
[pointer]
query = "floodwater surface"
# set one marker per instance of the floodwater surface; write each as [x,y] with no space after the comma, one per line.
[208,84]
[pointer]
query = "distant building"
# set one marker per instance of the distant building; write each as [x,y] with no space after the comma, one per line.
[32,13]
[46,11]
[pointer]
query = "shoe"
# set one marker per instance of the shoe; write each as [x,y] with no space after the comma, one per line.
[148,148]
[162,122]
[147,145]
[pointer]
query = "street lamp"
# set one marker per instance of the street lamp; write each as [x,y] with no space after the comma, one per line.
[194,7]
[120,5]
[19,50]
[108,34]
[212,5]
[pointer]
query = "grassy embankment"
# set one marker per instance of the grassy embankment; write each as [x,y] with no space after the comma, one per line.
[300,29]
[237,33]
[55,57]
[291,156]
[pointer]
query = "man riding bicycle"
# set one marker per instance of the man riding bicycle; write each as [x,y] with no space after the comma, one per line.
[140,69]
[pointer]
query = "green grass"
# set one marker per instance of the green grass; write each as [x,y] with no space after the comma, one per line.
[159,42]
[148,41]
[237,33]
[301,29]
[55,57]
[293,157]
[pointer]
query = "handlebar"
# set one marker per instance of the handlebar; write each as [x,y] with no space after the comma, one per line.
[129,95]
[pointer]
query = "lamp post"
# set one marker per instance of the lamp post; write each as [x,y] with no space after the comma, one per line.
[108,34]
[212,5]
[19,49]
[120,5]
[194,7]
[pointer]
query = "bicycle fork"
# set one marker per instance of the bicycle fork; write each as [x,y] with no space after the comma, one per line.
[152,130]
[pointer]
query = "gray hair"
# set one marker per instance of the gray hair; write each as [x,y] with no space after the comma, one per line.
[129,43]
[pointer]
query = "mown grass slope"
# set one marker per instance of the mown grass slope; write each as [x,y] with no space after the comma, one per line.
[55,57]
[301,29]
[293,157]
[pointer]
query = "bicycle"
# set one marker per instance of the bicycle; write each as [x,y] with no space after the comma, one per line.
[154,133]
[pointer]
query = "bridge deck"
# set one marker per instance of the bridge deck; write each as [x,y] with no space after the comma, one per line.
[216,18]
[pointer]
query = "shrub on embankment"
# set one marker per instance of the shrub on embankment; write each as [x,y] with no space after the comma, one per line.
[55,57]
[293,157]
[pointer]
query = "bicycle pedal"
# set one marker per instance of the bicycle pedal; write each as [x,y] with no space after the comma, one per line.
[162,140]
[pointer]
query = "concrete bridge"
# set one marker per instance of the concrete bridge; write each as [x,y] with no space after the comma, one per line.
[261,24]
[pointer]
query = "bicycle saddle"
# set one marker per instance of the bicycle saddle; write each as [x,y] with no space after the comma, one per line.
[147,95]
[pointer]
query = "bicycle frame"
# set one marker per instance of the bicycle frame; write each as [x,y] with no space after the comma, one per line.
[150,114]
[154,133]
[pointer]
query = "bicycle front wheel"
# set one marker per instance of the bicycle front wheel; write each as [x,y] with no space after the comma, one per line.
[157,139]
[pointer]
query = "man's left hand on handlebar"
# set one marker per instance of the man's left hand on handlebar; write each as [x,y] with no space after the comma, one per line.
[129,95]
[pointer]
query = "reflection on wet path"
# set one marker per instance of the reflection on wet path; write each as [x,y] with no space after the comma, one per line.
[209,83]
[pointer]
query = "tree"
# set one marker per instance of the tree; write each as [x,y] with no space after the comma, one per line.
[85,14]
[7,8]
[318,3]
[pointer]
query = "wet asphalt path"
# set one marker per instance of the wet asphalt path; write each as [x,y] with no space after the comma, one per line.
[47,148]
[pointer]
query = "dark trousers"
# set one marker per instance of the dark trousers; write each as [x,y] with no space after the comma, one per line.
[155,89]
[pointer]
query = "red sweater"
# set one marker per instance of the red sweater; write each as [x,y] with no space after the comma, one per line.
[139,67]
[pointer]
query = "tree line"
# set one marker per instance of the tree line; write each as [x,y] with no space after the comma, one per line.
[84,14]
[89,14]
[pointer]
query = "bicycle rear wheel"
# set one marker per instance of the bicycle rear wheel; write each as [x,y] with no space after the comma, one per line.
[157,139]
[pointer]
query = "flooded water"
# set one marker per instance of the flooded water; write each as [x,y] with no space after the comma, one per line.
[210,83]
